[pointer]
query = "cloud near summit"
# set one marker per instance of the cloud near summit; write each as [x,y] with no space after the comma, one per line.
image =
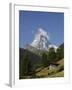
[42,32]
[38,36]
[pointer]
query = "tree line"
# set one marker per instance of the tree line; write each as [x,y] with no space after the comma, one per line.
[48,57]
[51,56]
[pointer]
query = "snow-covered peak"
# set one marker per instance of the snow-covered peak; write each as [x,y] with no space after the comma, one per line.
[41,40]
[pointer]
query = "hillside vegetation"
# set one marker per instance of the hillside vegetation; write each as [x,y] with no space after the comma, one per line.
[43,64]
[57,71]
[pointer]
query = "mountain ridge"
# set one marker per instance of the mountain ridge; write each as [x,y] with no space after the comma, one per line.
[41,42]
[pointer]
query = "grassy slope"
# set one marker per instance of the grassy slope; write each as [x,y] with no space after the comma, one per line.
[59,74]
[42,72]
[45,72]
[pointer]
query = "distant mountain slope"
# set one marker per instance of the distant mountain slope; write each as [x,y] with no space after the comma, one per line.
[32,57]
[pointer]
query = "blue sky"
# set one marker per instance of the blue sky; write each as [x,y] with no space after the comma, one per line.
[51,22]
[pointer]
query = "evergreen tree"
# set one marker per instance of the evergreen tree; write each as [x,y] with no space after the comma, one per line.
[44,59]
[51,55]
[60,53]
[25,65]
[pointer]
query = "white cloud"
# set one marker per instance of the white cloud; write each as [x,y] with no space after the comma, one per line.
[43,32]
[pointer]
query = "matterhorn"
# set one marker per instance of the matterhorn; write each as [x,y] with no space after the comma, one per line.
[41,41]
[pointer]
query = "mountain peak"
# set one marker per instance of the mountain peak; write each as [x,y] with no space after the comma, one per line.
[42,32]
[41,40]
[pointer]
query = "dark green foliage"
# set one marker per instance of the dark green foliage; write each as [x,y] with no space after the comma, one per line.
[51,55]
[44,59]
[29,61]
[60,52]
[25,65]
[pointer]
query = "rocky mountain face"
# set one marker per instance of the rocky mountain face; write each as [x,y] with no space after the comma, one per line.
[41,42]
